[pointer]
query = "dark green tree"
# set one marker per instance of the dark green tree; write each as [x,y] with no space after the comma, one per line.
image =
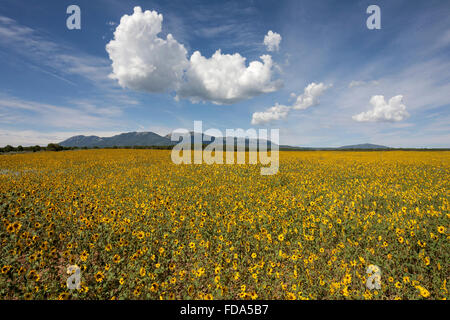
[54,147]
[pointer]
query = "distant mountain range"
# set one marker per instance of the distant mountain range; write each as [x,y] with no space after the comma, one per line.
[138,139]
[153,139]
[364,146]
[120,140]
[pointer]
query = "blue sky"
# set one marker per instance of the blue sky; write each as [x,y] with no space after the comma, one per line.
[318,90]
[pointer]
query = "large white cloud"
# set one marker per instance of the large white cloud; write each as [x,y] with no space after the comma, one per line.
[144,61]
[140,59]
[394,110]
[272,41]
[309,98]
[224,78]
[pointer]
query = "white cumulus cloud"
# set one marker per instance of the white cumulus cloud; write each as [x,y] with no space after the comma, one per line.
[276,112]
[309,98]
[272,41]
[394,110]
[224,78]
[141,60]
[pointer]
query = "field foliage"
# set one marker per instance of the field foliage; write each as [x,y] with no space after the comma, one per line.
[140,227]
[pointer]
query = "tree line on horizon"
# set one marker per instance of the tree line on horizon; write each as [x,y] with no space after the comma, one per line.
[57,147]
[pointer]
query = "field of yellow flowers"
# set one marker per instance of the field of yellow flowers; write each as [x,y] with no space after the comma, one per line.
[141,227]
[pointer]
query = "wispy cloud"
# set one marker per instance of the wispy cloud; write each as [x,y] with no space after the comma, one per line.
[359,83]
[57,59]
[34,137]
[17,112]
